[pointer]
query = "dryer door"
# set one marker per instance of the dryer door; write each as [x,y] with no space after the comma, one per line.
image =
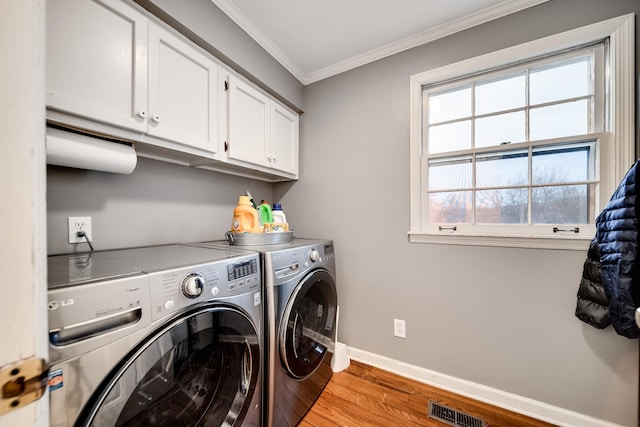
[307,327]
[202,368]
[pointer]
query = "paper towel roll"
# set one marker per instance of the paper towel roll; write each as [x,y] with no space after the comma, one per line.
[85,152]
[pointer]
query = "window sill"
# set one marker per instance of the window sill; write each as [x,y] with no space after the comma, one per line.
[560,242]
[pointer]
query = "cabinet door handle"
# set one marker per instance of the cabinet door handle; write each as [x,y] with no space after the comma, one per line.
[155,118]
[143,114]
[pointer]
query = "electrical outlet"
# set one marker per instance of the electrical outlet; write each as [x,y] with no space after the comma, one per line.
[399,328]
[77,224]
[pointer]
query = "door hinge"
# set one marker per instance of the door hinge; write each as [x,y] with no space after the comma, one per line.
[22,382]
[226,85]
[226,146]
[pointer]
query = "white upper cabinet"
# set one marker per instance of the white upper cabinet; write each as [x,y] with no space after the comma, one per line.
[97,61]
[183,91]
[284,139]
[109,63]
[249,112]
[261,131]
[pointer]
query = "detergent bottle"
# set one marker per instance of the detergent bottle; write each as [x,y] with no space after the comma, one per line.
[278,214]
[279,220]
[264,211]
[245,217]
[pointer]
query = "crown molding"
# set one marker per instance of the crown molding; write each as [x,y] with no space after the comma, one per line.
[494,12]
[256,34]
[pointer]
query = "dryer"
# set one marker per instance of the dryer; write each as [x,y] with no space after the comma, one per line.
[162,335]
[300,324]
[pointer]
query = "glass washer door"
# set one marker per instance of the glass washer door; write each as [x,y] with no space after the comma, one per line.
[202,369]
[307,326]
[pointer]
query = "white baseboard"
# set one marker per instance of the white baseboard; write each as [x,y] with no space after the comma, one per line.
[512,402]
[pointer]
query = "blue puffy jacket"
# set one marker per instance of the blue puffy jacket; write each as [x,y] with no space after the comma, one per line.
[617,236]
[592,305]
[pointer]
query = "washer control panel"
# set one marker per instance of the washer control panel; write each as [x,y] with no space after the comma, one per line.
[172,290]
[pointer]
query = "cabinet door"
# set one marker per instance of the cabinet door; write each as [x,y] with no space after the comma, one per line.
[284,139]
[249,123]
[183,91]
[97,61]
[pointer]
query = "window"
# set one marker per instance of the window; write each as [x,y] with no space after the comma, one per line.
[516,146]
[523,147]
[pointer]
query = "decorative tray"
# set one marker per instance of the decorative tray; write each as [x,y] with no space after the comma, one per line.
[257,239]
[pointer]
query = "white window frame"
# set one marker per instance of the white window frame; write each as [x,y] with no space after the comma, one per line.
[619,135]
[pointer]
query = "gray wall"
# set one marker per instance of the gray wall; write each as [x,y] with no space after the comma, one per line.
[499,317]
[158,203]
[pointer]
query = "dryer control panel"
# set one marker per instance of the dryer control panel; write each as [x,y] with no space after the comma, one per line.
[285,265]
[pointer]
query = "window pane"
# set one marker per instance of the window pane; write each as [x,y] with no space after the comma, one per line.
[567,163]
[564,81]
[450,105]
[560,120]
[452,207]
[503,128]
[502,169]
[450,137]
[500,95]
[507,206]
[561,205]
[450,173]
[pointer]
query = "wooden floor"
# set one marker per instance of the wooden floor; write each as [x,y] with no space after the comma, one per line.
[366,396]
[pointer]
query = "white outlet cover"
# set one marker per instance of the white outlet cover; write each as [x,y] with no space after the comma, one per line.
[399,328]
[79,223]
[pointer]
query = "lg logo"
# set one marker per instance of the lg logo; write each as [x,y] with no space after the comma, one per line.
[54,305]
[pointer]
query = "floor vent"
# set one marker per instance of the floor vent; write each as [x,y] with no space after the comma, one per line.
[454,417]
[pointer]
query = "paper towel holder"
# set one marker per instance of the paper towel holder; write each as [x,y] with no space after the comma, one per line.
[72,148]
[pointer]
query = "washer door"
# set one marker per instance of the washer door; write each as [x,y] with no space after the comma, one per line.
[307,326]
[200,369]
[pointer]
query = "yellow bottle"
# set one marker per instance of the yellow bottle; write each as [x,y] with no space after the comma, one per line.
[245,217]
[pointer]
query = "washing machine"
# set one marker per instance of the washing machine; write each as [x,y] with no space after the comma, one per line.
[300,324]
[156,336]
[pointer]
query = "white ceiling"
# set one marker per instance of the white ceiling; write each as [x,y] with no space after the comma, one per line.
[316,39]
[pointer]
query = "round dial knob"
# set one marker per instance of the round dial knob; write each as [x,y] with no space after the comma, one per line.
[314,255]
[193,285]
